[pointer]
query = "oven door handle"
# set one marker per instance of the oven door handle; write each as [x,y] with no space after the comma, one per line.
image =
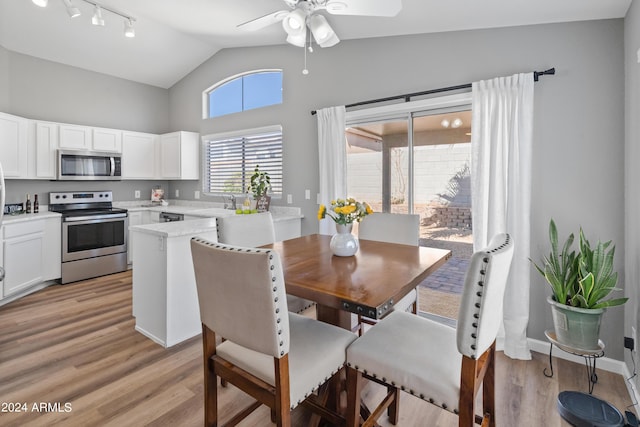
[94,217]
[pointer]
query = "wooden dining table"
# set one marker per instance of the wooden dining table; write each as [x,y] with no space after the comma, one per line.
[368,283]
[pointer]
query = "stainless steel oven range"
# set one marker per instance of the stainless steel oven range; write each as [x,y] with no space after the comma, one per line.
[94,234]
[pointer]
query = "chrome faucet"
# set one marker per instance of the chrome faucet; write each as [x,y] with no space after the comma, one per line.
[232,202]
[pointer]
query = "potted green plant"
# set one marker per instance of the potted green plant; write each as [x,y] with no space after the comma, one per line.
[259,185]
[580,283]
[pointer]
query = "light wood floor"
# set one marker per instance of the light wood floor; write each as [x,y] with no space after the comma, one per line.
[75,345]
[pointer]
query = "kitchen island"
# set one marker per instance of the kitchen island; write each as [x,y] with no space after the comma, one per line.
[165,300]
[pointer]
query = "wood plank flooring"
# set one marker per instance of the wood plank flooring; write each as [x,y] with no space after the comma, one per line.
[74,349]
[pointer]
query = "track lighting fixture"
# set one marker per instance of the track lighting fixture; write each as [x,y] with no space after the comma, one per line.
[72,11]
[129,31]
[97,18]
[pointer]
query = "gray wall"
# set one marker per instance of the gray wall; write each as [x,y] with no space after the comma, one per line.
[578,131]
[4,79]
[44,90]
[632,174]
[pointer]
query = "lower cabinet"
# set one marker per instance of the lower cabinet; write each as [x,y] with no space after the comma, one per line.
[135,218]
[23,255]
[31,254]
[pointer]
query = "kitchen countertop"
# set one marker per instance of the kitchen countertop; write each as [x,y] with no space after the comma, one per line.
[206,210]
[12,219]
[177,228]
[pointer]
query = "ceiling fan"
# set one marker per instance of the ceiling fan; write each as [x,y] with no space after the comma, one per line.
[302,15]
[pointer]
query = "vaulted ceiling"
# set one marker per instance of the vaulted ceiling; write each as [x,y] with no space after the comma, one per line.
[173,37]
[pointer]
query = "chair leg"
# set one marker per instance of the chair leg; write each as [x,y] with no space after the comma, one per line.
[282,408]
[466,417]
[393,411]
[488,387]
[210,378]
[354,389]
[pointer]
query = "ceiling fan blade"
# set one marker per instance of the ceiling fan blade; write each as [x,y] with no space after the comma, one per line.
[263,21]
[364,7]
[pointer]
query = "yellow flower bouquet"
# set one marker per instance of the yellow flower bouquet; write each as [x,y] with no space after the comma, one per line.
[345,211]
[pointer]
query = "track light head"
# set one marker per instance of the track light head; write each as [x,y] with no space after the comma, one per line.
[129,31]
[72,11]
[97,18]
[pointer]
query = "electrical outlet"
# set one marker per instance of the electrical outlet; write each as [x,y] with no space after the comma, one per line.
[177,193]
[137,194]
[307,194]
[629,343]
[289,198]
[196,194]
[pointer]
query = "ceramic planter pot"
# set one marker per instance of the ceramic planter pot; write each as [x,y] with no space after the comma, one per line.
[576,327]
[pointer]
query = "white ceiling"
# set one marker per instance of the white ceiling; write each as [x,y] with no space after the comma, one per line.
[173,37]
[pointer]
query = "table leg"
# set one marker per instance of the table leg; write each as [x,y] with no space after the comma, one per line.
[334,316]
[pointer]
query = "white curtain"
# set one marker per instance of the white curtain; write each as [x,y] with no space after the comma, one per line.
[502,133]
[332,152]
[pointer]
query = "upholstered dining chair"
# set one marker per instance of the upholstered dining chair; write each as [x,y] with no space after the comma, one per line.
[403,229]
[436,362]
[252,231]
[277,357]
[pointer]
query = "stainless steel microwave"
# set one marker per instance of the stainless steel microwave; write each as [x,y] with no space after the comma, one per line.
[89,165]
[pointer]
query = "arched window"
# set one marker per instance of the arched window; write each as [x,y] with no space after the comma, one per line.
[242,92]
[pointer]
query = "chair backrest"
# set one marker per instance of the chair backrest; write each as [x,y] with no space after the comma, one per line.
[389,227]
[241,295]
[248,231]
[480,314]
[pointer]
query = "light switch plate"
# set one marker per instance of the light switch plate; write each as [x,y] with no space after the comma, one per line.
[196,194]
[137,194]
[289,198]
[177,193]
[307,194]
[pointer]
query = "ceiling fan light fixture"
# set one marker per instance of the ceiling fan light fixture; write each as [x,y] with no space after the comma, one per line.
[297,39]
[322,31]
[41,3]
[72,11]
[295,21]
[97,18]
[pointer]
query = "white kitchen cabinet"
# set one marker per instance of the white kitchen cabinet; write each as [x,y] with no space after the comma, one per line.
[179,155]
[23,248]
[107,140]
[139,155]
[52,262]
[13,146]
[135,218]
[75,137]
[43,145]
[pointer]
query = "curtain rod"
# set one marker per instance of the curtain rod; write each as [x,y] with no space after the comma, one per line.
[407,97]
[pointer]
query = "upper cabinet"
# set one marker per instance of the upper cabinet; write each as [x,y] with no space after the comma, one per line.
[139,155]
[43,143]
[75,137]
[29,149]
[107,140]
[13,146]
[179,155]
